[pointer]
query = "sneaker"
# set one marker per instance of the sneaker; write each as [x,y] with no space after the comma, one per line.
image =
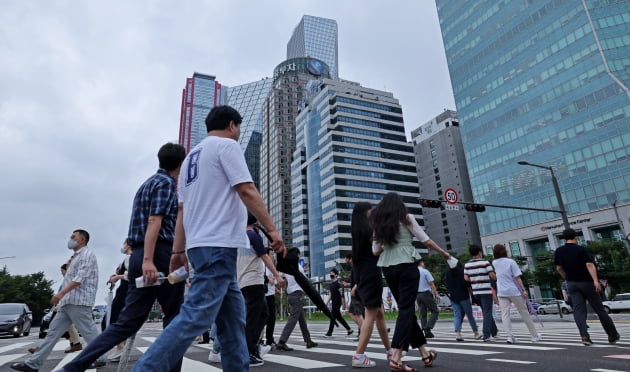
[311,344]
[97,364]
[255,361]
[458,336]
[263,349]
[350,331]
[362,362]
[328,335]
[614,339]
[214,357]
[115,355]
[512,340]
[356,339]
[537,338]
[586,340]
[428,333]
[477,335]
[74,347]
[490,339]
[283,346]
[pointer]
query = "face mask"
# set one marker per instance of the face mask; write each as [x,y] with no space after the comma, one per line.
[72,244]
[123,249]
[332,276]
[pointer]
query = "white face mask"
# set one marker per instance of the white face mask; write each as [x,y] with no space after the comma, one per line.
[72,244]
[123,249]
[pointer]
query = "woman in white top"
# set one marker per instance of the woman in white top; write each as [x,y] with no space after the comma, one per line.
[510,290]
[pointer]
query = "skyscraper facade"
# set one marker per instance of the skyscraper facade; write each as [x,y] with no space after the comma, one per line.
[441,165]
[546,82]
[316,37]
[278,137]
[248,99]
[201,93]
[351,147]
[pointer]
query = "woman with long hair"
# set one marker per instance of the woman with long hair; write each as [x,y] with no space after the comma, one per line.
[393,230]
[369,285]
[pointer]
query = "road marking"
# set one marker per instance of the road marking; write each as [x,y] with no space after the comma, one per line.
[620,356]
[502,345]
[14,346]
[9,358]
[189,364]
[381,355]
[298,362]
[322,350]
[606,370]
[511,361]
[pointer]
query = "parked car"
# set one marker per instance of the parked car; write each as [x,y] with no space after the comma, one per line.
[618,303]
[551,307]
[15,318]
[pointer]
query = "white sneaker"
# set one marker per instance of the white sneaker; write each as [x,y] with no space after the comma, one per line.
[537,338]
[115,355]
[512,340]
[263,349]
[214,357]
[362,362]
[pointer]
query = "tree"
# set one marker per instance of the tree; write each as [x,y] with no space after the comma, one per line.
[33,290]
[613,264]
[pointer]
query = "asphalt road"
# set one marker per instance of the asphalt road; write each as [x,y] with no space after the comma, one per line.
[560,350]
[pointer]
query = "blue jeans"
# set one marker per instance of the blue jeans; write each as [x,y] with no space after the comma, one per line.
[579,293]
[487,305]
[213,297]
[459,309]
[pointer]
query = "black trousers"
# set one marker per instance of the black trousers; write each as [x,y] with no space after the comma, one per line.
[336,313]
[271,319]
[256,314]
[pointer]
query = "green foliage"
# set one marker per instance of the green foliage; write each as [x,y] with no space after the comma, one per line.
[613,264]
[33,290]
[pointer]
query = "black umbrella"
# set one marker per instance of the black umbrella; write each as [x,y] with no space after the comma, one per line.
[289,265]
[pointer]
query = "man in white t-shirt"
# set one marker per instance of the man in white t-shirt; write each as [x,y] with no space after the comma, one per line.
[215,191]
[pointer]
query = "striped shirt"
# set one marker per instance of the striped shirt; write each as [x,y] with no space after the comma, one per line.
[83,269]
[478,271]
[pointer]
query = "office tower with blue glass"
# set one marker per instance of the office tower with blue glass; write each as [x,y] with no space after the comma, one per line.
[547,83]
[316,37]
[200,94]
[350,147]
[248,99]
[442,169]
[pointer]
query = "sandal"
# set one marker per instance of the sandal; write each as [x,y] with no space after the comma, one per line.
[428,360]
[395,366]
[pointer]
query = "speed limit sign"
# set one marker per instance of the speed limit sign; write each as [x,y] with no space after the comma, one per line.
[450,196]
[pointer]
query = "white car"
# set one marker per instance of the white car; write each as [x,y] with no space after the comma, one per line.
[551,307]
[618,303]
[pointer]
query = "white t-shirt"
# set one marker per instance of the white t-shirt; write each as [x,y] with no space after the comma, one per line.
[292,285]
[271,288]
[214,215]
[506,270]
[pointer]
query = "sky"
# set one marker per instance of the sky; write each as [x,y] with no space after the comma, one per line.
[89,91]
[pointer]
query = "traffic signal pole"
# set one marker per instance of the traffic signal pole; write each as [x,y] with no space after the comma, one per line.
[431,203]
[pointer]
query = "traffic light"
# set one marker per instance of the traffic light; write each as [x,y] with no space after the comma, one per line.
[475,207]
[427,203]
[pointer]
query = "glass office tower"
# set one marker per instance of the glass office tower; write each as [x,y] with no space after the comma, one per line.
[350,147]
[248,99]
[317,38]
[545,82]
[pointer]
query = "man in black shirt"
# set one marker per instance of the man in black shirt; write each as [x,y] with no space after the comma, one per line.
[335,298]
[575,264]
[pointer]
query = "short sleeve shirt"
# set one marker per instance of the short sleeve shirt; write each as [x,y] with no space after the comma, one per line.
[506,270]
[478,271]
[425,279]
[573,259]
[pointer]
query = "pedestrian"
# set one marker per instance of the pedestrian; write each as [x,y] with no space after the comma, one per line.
[459,293]
[215,191]
[335,299]
[295,297]
[355,309]
[251,276]
[393,230]
[270,299]
[118,302]
[576,266]
[151,234]
[480,274]
[369,284]
[427,299]
[74,301]
[510,290]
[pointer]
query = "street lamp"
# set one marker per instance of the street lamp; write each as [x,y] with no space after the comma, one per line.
[554,181]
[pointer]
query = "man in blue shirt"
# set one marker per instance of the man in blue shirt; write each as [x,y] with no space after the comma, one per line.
[151,234]
[427,300]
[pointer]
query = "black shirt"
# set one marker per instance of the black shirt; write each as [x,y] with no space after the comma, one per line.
[335,293]
[573,259]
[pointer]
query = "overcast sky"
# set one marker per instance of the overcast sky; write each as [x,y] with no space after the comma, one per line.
[90,90]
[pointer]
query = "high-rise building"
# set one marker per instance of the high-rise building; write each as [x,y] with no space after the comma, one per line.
[248,99]
[351,147]
[201,93]
[316,37]
[441,166]
[545,82]
[278,138]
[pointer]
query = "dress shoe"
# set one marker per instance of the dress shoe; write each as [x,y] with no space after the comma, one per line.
[74,347]
[97,364]
[21,366]
[311,344]
[32,350]
[283,346]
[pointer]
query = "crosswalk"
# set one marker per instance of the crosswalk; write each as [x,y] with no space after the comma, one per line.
[334,353]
